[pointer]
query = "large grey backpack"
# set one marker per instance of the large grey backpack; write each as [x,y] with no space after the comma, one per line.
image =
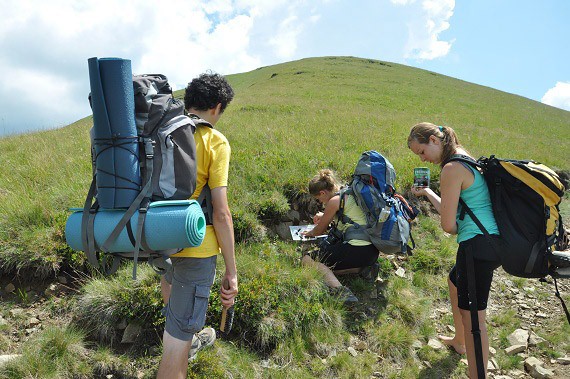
[167,166]
[388,214]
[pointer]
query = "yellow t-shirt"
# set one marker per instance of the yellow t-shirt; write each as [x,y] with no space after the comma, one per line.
[352,210]
[212,166]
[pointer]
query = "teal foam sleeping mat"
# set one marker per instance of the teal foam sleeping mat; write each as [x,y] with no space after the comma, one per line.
[169,225]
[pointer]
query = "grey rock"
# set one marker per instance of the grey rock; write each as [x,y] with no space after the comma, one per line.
[62,279]
[131,333]
[283,230]
[515,349]
[10,288]
[563,360]
[352,352]
[401,272]
[435,344]
[535,339]
[539,372]
[8,357]
[518,337]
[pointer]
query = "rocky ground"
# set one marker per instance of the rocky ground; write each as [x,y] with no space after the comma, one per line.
[25,310]
[539,311]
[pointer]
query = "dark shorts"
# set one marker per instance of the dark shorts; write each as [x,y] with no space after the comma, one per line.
[483,271]
[344,255]
[191,280]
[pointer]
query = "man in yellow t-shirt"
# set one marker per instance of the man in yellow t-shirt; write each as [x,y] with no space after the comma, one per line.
[186,288]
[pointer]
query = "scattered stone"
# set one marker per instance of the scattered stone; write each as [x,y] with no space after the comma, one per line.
[62,279]
[541,315]
[401,272]
[51,290]
[417,344]
[352,351]
[492,366]
[517,373]
[515,349]
[360,345]
[10,288]
[283,231]
[464,361]
[131,333]
[377,374]
[535,339]
[33,321]
[492,350]
[15,312]
[502,377]
[539,372]
[293,216]
[563,360]
[7,358]
[518,337]
[427,364]
[451,328]
[435,344]
[2,321]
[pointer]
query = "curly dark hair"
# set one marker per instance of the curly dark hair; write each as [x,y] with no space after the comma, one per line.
[207,91]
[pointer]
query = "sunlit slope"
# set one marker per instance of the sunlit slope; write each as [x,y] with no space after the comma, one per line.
[287,121]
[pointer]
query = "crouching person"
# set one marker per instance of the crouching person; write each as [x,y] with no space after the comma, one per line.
[186,287]
[351,254]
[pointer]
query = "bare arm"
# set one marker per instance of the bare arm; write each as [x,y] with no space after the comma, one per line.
[432,196]
[224,227]
[327,217]
[454,178]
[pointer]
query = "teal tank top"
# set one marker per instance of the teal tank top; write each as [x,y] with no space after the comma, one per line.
[477,197]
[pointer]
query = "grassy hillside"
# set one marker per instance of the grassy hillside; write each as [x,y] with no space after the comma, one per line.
[286,122]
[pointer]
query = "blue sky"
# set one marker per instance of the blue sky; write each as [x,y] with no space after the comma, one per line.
[517,46]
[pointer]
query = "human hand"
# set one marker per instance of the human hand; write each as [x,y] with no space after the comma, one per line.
[317,217]
[419,191]
[228,289]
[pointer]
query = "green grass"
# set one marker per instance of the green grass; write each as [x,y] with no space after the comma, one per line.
[286,122]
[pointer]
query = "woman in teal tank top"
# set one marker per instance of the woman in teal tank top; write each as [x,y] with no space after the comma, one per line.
[437,144]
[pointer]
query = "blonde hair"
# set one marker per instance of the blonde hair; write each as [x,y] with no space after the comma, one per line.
[324,180]
[424,130]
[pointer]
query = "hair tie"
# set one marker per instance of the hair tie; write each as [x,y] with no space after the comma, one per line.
[440,128]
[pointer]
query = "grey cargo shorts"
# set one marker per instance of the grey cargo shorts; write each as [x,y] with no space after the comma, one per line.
[191,280]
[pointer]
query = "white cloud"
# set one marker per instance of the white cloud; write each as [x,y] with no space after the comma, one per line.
[558,96]
[46,45]
[433,16]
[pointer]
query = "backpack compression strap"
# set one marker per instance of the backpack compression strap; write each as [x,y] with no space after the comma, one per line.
[355,231]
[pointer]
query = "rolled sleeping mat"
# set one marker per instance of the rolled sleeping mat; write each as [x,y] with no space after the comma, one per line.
[114,134]
[173,224]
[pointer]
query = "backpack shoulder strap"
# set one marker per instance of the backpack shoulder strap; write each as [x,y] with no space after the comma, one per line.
[465,159]
[199,121]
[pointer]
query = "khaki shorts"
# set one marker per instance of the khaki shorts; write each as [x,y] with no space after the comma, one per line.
[191,280]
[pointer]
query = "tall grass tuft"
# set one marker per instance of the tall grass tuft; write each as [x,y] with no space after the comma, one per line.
[105,302]
[54,353]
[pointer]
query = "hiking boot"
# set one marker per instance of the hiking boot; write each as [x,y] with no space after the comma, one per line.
[370,273]
[345,294]
[204,338]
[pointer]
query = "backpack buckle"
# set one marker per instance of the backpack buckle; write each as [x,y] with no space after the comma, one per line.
[149,148]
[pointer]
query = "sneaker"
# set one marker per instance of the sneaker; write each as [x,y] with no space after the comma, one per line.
[370,273]
[345,294]
[204,338]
